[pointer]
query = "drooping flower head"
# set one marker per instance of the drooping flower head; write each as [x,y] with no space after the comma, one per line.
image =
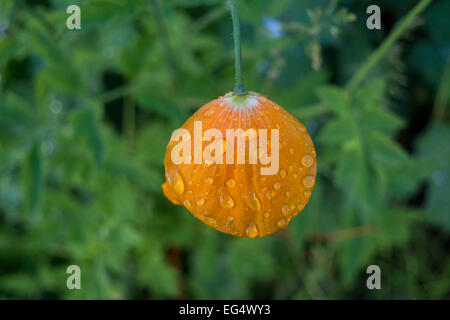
[241,164]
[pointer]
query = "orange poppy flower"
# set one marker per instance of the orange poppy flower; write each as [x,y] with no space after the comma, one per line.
[235,197]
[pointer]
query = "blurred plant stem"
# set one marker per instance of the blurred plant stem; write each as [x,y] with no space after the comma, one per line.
[240,87]
[209,18]
[310,111]
[117,93]
[375,57]
[129,121]
[164,36]
[442,95]
[343,234]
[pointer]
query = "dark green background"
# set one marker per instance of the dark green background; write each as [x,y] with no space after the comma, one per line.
[85,116]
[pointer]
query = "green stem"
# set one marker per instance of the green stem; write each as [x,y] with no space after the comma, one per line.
[387,44]
[164,36]
[209,18]
[129,120]
[240,87]
[442,96]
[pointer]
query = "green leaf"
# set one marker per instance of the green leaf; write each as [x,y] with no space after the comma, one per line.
[351,161]
[338,130]
[33,179]
[133,58]
[16,114]
[379,119]
[60,66]
[336,99]
[370,94]
[433,146]
[160,103]
[393,226]
[384,151]
[406,177]
[86,126]
[154,271]
[434,152]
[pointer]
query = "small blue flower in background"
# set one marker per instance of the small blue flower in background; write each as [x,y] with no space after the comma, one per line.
[274,27]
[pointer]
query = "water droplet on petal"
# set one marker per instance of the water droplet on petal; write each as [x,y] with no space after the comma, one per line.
[230,219]
[200,202]
[209,180]
[307,161]
[210,112]
[266,214]
[211,221]
[187,204]
[291,168]
[283,173]
[252,230]
[308,182]
[254,203]
[281,223]
[288,194]
[277,186]
[285,210]
[226,202]
[269,194]
[307,193]
[291,150]
[231,183]
[177,183]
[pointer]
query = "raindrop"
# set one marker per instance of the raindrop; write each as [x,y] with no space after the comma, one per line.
[285,210]
[226,202]
[277,186]
[308,182]
[307,161]
[210,112]
[231,183]
[283,173]
[200,202]
[211,221]
[209,180]
[252,230]
[254,203]
[187,204]
[281,223]
[177,182]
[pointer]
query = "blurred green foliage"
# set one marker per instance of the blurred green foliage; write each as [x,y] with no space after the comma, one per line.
[85,116]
